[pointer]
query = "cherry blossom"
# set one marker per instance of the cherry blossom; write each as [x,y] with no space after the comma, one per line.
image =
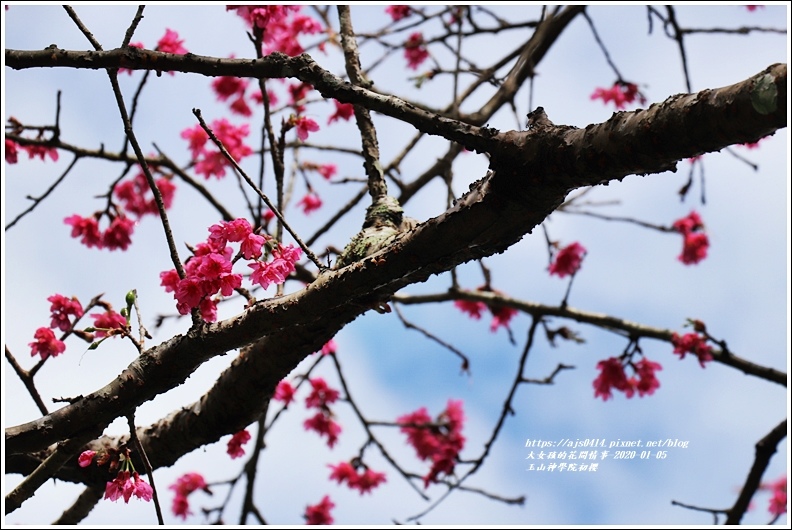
[61,309]
[322,423]
[647,383]
[568,260]
[612,376]
[40,151]
[171,43]
[778,499]
[620,94]
[284,392]
[414,50]
[344,111]
[320,513]
[136,197]
[501,316]
[329,348]
[310,202]
[236,442]
[439,441]
[398,12]
[46,344]
[692,343]
[86,458]
[304,126]
[11,152]
[109,320]
[184,486]
[471,307]
[321,394]
[363,482]
[126,485]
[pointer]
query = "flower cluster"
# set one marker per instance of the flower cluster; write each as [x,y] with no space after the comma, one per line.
[364,482]
[620,94]
[284,392]
[184,486]
[320,513]
[613,376]
[696,243]
[127,483]
[438,441]
[415,50]
[567,261]
[209,270]
[211,162]
[322,422]
[12,151]
[501,314]
[61,309]
[228,87]
[118,234]
[236,442]
[134,195]
[692,343]
[280,26]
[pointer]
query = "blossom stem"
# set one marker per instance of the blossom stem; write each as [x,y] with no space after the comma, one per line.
[149,470]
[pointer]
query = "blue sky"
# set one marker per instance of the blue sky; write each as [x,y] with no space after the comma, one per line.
[741,290]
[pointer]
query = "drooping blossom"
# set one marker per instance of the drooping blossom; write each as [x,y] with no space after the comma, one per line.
[61,309]
[620,94]
[319,514]
[692,343]
[284,259]
[236,442]
[119,234]
[11,151]
[46,344]
[171,43]
[647,383]
[184,486]
[471,307]
[41,151]
[438,441]
[568,260]
[415,50]
[109,320]
[344,111]
[398,12]
[310,202]
[501,316]
[363,482]
[127,484]
[323,423]
[612,376]
[284,392]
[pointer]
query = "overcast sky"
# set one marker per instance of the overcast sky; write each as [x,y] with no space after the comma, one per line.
[741,290]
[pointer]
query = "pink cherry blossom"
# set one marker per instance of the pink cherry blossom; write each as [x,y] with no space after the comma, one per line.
[108,320]
[46,344]
[329,348]
[236,442]
[305,126]
[620,94]
[171,43]
[612,376]
[86,458]
[692,343]
[119,234]
[471,307]
[11,152]
[439,445]
[322,423]
[284,392]
[310,202]
[398,12]
[344,111]
[568,260]
[501,316]
[363,482]
[41,151]
[414,50]
[321,394]
[86,228]
[61,309]
[694,248]
[647,382]
[126,485]
[319,514]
